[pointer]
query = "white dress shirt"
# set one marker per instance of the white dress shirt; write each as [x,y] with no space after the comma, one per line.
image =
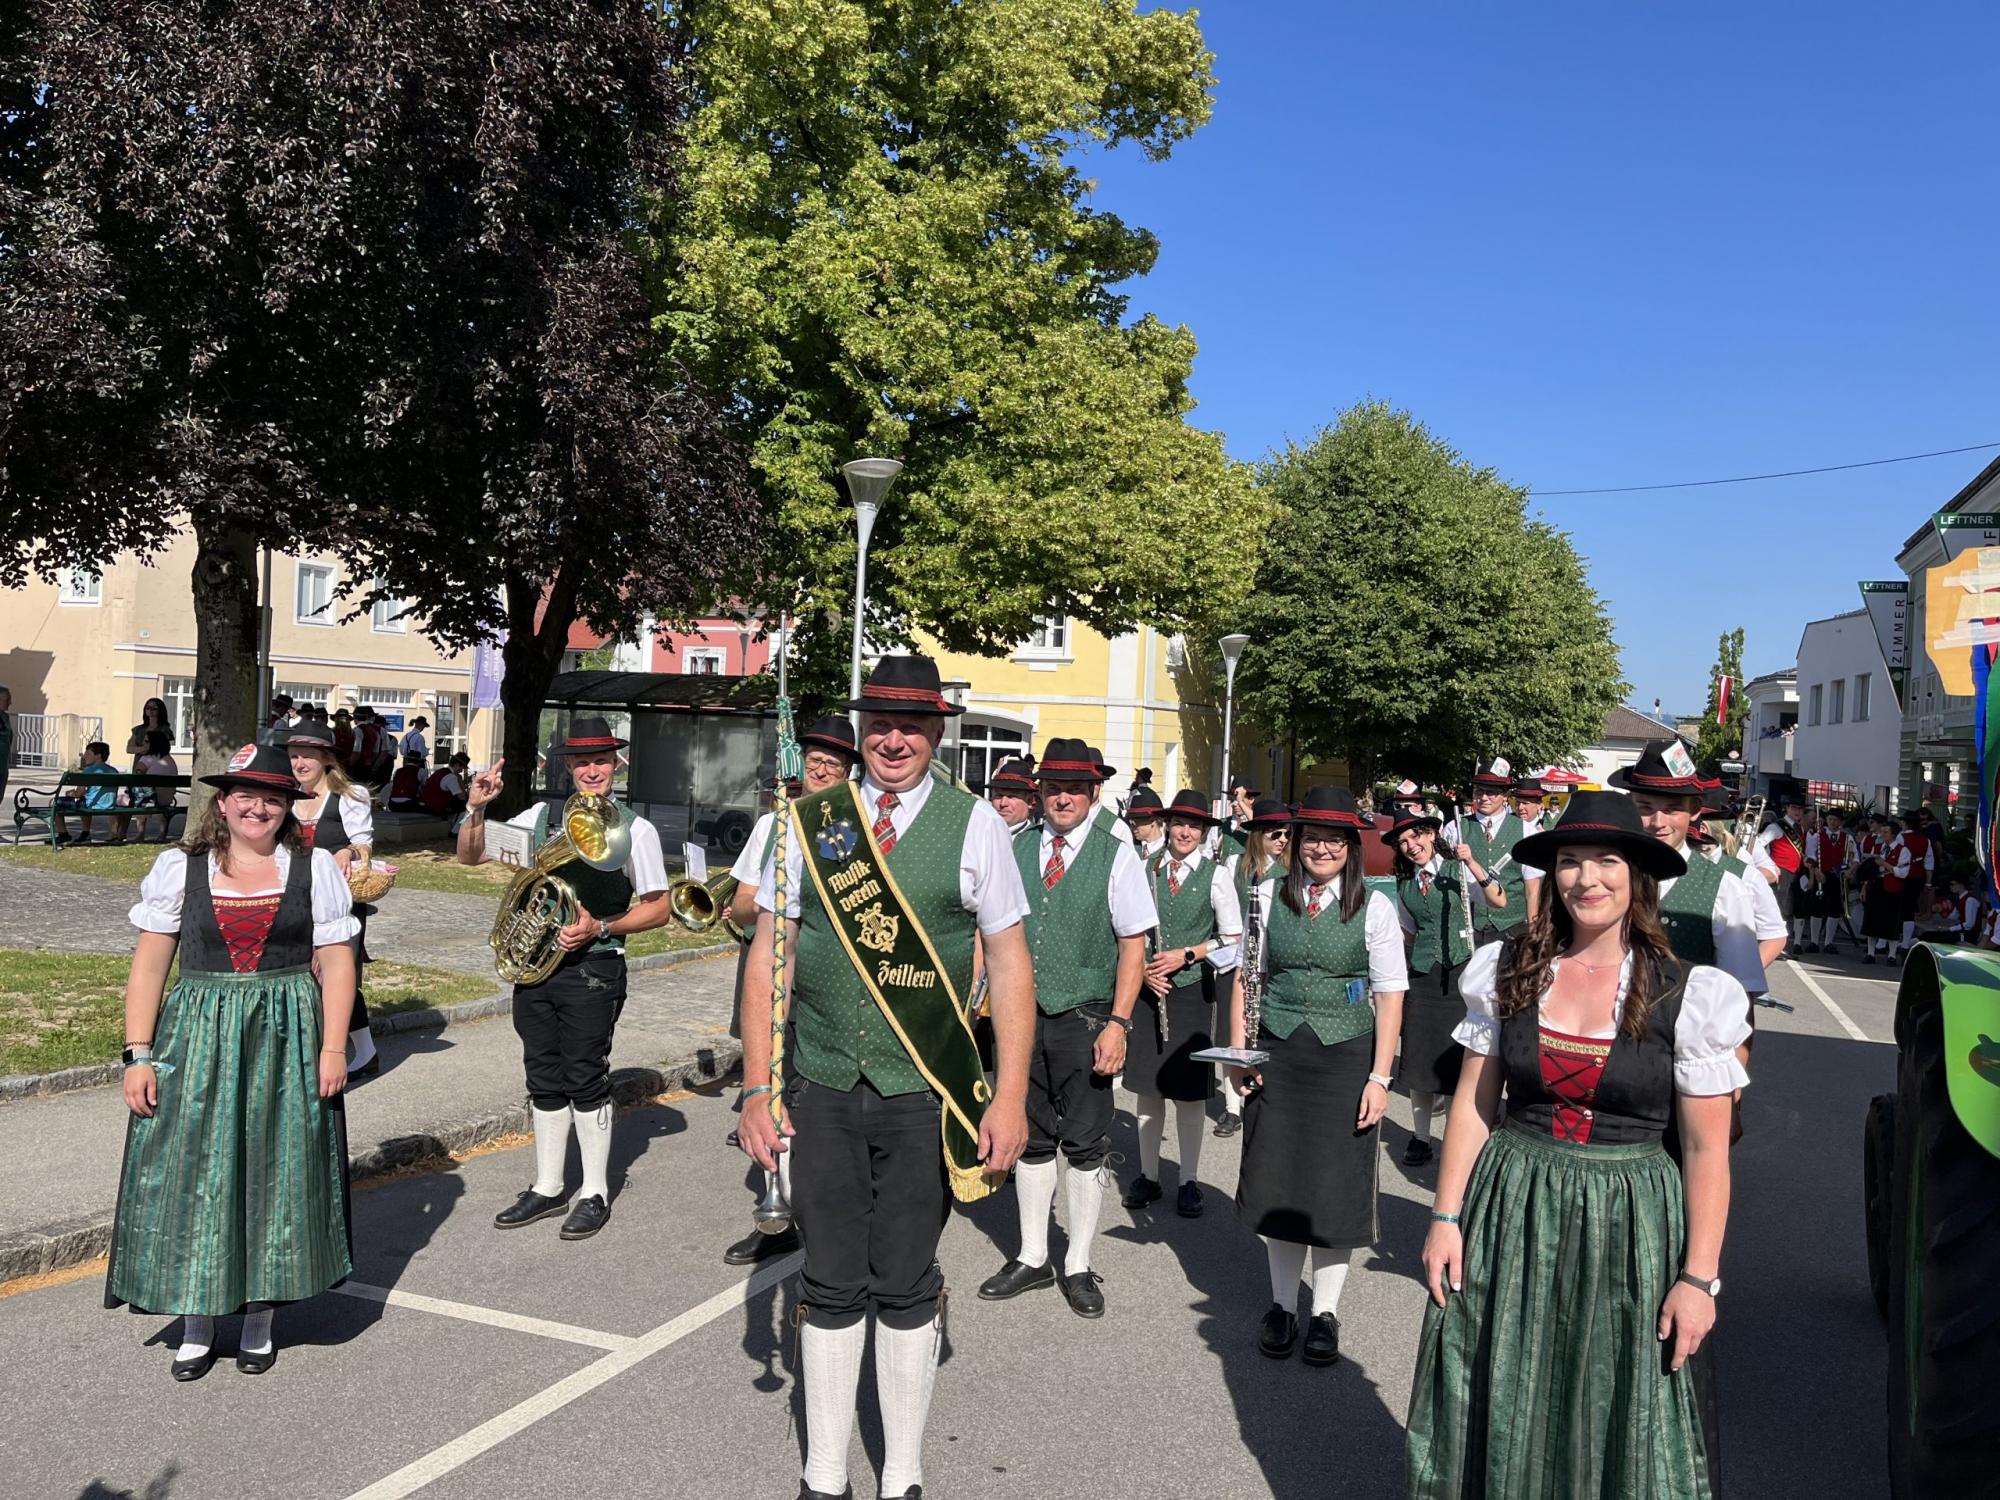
[645,865]
[1130,888]
[1738,926]
[1491,824]
[750,861]
[1388,965]
[160,893]
[1225,947]
[989,882]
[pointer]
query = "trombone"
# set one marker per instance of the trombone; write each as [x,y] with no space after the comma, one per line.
[699,905]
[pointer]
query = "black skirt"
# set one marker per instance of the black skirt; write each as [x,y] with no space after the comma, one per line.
[1431,1012]
[1308,1176]
[1882,913]
[1171,1073]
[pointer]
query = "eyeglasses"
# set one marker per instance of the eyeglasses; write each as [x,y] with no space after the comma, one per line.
[826,764]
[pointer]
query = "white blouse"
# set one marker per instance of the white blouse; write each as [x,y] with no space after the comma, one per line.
[1714,1021]
[159,908]
[357,815]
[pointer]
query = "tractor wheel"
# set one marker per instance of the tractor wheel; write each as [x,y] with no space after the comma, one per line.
[1878,1156]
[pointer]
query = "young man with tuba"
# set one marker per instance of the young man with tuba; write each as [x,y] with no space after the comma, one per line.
[884,884]
[565,1021]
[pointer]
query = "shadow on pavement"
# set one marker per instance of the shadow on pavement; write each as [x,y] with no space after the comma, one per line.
[157,1488]
[392,1052]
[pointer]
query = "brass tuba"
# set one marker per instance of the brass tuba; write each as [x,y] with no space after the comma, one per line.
[698,906]
[538,904]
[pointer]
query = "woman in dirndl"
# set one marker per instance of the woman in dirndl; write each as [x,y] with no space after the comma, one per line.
[1311,1113]
[1432,896]
[1195,941]
[339,817]
[1572,1272]
[233,1196]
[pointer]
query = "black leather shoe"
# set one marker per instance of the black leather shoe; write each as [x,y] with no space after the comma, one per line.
[590,1215]
[1228,1125]
[527,1208]
[1081,1290]
[1187,1201]
[1868,958]
[807,1492]
[1142,1191]
[1416,1153]
[193,1369]
[759,1246]
[1279,1333]
[914,1492]
[1013,1279]
[1322,1340]
[257,1364]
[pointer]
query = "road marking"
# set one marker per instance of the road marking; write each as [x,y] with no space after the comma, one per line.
[1846,1023]
[492,1317]
[496,1430]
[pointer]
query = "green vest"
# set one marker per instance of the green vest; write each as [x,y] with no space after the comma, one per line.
[1312,964]
[1688,912]
[604,893]
[1440,918]
[1186,917]
[838,1034]
[1732,864]
[1075,952]
[1487,852]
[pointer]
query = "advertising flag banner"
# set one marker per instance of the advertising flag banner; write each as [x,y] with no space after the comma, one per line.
[487,670]
[1888,606]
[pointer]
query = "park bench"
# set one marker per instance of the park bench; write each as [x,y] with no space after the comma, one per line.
[37,802]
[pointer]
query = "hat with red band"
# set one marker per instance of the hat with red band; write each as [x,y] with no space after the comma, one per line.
[1067,760]
[1011,776]
[1331,806]
[904,685]
[1664,766]
[1406,819]
[587,734]
[1268,815]
[833,732]
[1494,775]
[1144,803]
[1602,820]
[262,768]
[1189,803]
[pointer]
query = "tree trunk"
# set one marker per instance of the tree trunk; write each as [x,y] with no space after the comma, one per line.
[529,660]
[225,647]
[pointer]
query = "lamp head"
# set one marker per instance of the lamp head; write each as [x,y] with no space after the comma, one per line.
[868,480]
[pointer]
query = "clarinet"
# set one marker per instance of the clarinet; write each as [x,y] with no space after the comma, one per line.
[1252,961]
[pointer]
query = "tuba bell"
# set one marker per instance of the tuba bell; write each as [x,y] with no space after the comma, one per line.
[699,905]
[539,904]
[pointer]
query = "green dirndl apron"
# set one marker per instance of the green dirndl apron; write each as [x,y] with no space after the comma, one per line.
[234,1192]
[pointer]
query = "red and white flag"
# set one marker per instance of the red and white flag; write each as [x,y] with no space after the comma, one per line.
[1722,699]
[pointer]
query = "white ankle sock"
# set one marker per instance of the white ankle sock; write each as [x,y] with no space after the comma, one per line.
[1034,1198]
[593,1144]
[1231,1100]
[1329,1276]
[905,1372]
[1086,1202]
[197,1336]
[551,1149]
[1421,1105]
[256,1332]
[1288,1262]
[361,1044]
[1151,1115]
[831,1358]
[1189,1120]
[1909,933]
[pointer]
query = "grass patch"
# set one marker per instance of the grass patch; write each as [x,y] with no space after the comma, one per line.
[671,939]
[393,987]
[435,867]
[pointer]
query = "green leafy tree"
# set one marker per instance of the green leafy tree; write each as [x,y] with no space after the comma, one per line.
[1409,616]
[1723,740]
[888,245]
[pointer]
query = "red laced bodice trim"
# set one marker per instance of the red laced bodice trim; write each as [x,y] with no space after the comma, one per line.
[245,922]
[1572,1067]
[306,832]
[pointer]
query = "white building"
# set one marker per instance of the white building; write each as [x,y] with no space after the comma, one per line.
[1625,734]
[1768,728]
[1848,743]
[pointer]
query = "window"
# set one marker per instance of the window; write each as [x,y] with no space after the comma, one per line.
[82,586]
[301,693]
[315,594]
[1837,709]
[705,661]
[386,614]
[1050,637]
[381,697]
[981,747]
[448,733]
[1817,692]
[1861,686]
[179,695]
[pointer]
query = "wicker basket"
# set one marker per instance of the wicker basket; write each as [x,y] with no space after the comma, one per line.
[368,882]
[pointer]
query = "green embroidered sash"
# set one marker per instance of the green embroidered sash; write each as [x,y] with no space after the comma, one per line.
[903,975]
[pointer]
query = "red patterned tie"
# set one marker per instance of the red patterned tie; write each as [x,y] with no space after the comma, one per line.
[1312,901]
[1423,882]
[1053,870]
[1173,880]
[885,831]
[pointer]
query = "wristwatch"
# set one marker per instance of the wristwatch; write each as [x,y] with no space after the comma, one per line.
[1187,958]
[1125,1021]
[603,929]
[136,1055]
[1713,1288]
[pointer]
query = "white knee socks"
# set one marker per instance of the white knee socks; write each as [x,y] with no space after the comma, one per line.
[1421,1106]
[1151,1115]
[1231,1100]
[1035,1198]
[1909,934]
[905,1372]
[832,1363]
[551,1149]
[1329,1276]
[197,1337]
[1189,1118]
[593,1144]
[257,1332]
[1288,1261]
[1086,1201]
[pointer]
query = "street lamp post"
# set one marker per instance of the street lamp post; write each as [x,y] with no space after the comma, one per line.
[868,481]
[1232,651]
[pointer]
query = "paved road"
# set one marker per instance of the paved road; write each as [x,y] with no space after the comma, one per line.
[637,1365]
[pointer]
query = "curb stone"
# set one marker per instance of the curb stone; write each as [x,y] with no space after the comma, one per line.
[431,1018]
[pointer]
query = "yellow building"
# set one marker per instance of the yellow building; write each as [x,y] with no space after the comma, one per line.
[82,657]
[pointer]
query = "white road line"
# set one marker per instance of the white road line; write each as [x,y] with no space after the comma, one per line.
[496,1430]
[1846,1022]
[492,1317]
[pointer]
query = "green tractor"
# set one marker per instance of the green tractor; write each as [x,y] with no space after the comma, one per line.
[1931,1163]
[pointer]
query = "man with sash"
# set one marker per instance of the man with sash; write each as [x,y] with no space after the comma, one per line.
[828,748]
[565,1023]
[1780,855]
[1830,854]
[1091,906]
[1489,836]
[884,884]
[1011,790]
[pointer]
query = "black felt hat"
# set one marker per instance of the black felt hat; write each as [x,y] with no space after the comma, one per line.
[1104,772]
[1406,820]
[904,685]
[1494,775]
[833,732]
[309,732]
[587,733]
[1144,803]
[266,768]
[1189,803]
[1012,776]
[1609,820]
[1066,760]
[1332,806]
[1268,814]
[1664,766]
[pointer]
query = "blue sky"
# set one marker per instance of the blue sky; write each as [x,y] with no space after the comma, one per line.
[1610,244]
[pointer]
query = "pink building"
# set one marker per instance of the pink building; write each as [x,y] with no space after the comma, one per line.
[715,645]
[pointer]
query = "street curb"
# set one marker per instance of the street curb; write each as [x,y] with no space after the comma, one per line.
[62,1243]
[431,1018]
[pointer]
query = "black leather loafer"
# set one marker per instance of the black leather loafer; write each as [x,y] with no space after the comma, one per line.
[1416,1153]
[590,1215]
[914,1492]
[759,1246]
[1279,1333]
[1013,1279]
[807,1492]
[1187,1202]
[193,1369]
[1228,1125]
[257,1364]
[1322,1340]
[1142,1191]
[1081,1291]
[527,1208]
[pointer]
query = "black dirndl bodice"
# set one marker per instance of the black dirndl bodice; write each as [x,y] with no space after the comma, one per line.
[1593,1091]
[220,932]
[328,831]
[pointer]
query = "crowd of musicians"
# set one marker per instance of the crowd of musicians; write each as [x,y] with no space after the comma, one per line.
[962,985]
